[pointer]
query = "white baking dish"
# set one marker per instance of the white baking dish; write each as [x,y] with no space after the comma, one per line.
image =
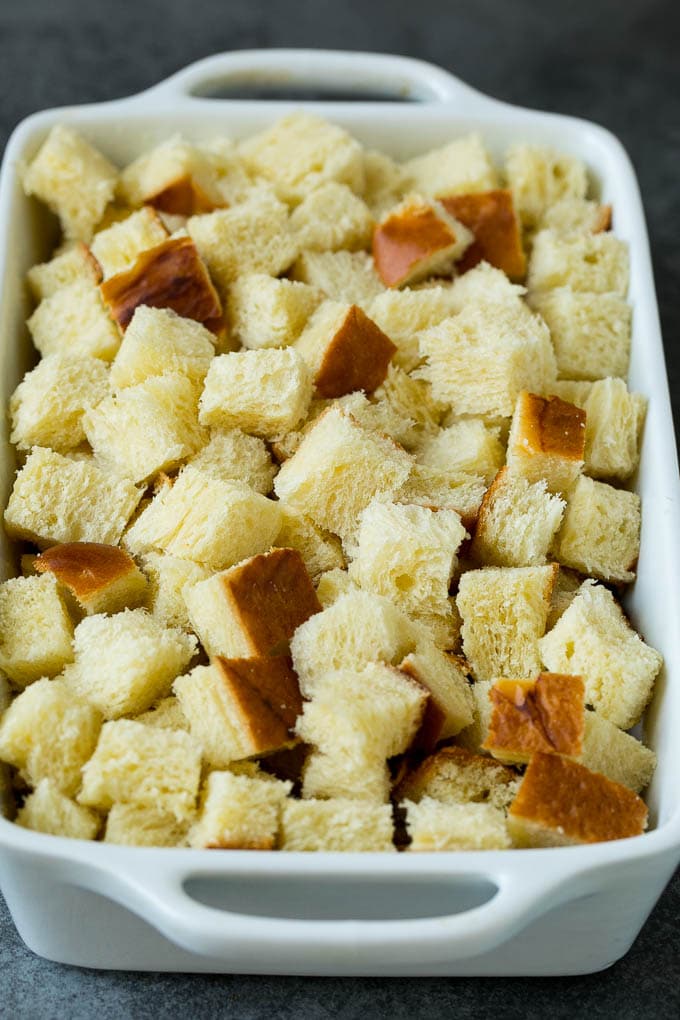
[557,911]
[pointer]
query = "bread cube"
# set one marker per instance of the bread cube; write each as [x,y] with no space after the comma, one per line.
[56,499]
[454,775]
[101,578]
[504,611]
[252,237]
[160,342]
[417,239]
[234,456]
[332,584]
[167,714]
[338,469]
[331,218]
[136,764]
[460,167]
[473,736]
[517,522]
[174,176]
[233,182]
[302,151]
[590,331]
[68,266]
[204,519]
[73,178]
[240,708]
[600,533]
[469,445]
[433,825]
[116,248]
[267,312]
[132,825]
[443,490]
[253,608]
[484,284]
[597,263]
[265,391]
[320,551]
[167,576]
[450,708]
[577,216]
[547,441]
[49,810]
[402,314]
[347,276]
[491,217]
[544,714]
[336,824]
[48,405]
[410,401]
[344,350]
[142,659]
[614,420]
[594,639]
[562,803]
[73,320]
[239,813]
[617,755]
[35,629]
[383,181]
[540,176]
[346,775]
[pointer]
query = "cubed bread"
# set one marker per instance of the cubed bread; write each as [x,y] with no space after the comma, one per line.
[402,314]
[331,218]
[175,176]
[116,248]
[167,577]
[383,181]
[300,152]
[600,533]
[141,661]
[454,775]
[35,629]
[49,810]
[547,441]
[539,176]
[336,824]
[320,551]
[48,405]
[265,391]
[143,765]
[233,181]
[460,167]
[433,825]
[344,350]
[56,499]
[469,445]
[73,178]
[417,239]
[201,518]
[483,284]
[167,714]
[267,312]
[590,331]
[444,490]
[101,578]
[491,217]
[48,733]
[332,584]
[239,813]
[410,400]
[347,276]
[73,320]
[450,707]
[234,456]
[253,608]
[338,469]
[597,263]
[160,342]
[74,263]
[562,803]
[594,639]
[473,736]
[517,522]
[577,216]
[240,708]
[614,420]
[346,775]
[504,611]
[544,714]
[617,755]
[135,825]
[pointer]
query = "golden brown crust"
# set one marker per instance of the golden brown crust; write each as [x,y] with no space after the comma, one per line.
[183,197]
[485,507]
[86,568]
[603,220]
[414,785]
[91,264]
[491,217]
[551,426]
[244,844]
[561,796]
[545,714]
[406,238]
[265,698]
[170,275]
[356,358]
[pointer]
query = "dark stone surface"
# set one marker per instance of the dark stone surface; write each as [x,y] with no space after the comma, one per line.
[612,61]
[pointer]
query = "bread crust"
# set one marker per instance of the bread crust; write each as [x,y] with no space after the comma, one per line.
[491,217]
[357,357]
[551,425]
[183,197]
[414,785]
[265,698]
[407,238]
[86,568]
[545,714]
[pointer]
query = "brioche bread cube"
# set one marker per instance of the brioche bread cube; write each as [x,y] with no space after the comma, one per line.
[417,239]
[73,320]
[74,263]
[450,707]
[48,405]
[267,312]
[468,445]
[344,350]
[264,391]
[562,803]
[433,825]
[174,176]
[614,420]
[402,314]
[590,331]
[410,400]
[56,499]
[338,469]
[135,825]
[331,218]
[444,490]
[73,178]
[383,181]
[142,659]
[483,284]
[136,764]
[48,733]
[472,738]
[234,456]
[252,237]
[346,775]
[233,182]
[332,584]
[545,714]
[539,177]
[547,441]
[347,276]
[320,551]
[101,578]
[491,217]
[460,167]
[201,518]
[167,577]
[252,608]
[302,151]
[517,522]
[239,813]
[504,611]
[617,755]
[167,714]
[454,775]
[116,248]
[35,629]
[240,708]
[160,342]
[600,533]
[597,263]
[594,639]
[336,824]
[577,216]
[49,810]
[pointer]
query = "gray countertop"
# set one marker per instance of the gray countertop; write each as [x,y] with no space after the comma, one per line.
[612,61]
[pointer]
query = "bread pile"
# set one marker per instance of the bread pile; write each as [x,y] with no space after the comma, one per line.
[323,502]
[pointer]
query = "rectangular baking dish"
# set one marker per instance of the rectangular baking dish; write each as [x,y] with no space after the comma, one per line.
[524,912]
